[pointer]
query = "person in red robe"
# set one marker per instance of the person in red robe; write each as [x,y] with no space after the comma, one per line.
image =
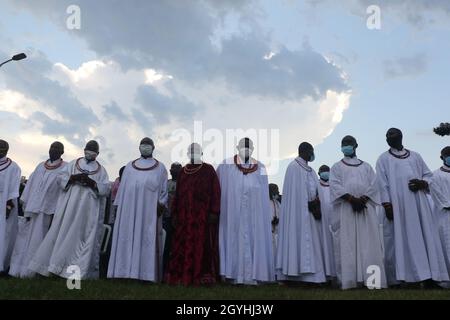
[194,256]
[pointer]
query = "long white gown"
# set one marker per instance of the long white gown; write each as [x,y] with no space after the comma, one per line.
[245,235]
[9,190]
[74,237]
[359,237]
[300,252]
[418,252]
[327,219]
[440,192]
[137,244]
[39,198]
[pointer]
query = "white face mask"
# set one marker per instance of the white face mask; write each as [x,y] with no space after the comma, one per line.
[245,153]
[197,157]
[146,150]
[90,155]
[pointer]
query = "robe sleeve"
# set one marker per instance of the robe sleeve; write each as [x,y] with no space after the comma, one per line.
[337,189]
[26,191]
[163,194]
[440,199]
[215,193]
[64,176]
[373,188]
[382,180]
[425,171]
[103,184]
[13,191]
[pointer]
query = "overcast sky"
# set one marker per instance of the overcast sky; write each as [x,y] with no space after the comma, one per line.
[307,70]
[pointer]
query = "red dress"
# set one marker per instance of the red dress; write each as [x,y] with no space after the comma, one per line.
[194,256]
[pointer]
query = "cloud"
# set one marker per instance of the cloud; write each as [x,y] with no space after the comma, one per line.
[113,111]
[405,66]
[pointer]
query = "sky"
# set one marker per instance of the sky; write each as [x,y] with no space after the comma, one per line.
[281,72]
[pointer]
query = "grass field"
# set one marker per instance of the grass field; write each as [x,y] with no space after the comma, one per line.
[55,288]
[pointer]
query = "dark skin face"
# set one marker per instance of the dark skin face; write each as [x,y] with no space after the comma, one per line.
[273,190]
[175,170]
[305,151]
[394,138]
[56,151]
[350,141]
[4,148]
[445,153]
[150,142]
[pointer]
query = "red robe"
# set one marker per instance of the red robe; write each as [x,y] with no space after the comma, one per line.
[194,257]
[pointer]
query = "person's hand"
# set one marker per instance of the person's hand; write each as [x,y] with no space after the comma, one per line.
[416,185]
[314,208]
[389,210]
[9,207]
[213,218]
[90,183]
[357,204]
[447,208]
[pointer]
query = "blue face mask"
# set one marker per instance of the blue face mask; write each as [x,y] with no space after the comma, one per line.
[447,161]
[325,176]
[312,158]
[347,150]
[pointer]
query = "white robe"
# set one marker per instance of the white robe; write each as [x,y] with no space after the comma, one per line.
[245,235]
[9,190]
[137,244]
[359,237]
[39,198]
[327,218]
[440,192]
[300,252]
[74,237]
[418,252]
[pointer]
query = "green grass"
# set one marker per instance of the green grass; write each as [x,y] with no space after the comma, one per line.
[55,288]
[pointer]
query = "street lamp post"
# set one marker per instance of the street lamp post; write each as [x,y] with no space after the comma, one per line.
[17,57]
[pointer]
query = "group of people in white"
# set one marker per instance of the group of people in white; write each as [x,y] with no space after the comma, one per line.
[331,227]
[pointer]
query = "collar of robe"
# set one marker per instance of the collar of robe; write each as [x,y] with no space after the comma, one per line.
[77,164]
[252,168]
[347,163]
[445,169]
[404,155]
[49,166]
[302,163]
[5,164]
[133,164]
[324,183]
[192,168]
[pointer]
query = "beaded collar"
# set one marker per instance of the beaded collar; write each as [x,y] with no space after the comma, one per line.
[253,167]
[352,165]
[403,156]
[77,164]
[324,184]
[144,169]
[195,168]
[306,167]
[5,164]
[445,170]
[48,166]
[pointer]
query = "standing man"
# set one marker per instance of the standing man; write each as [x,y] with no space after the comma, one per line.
[354,194]
[403,180]
[9,192]
[440,191]
[300,253]
[137,244]
[275,204]
[328,219]
[245,235]
[194,255]
[39,198]
[175,170]
[74,237]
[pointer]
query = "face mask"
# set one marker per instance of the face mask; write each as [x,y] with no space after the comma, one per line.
[312,158]
[245,153]
[90,155]
[347,150]
[146,150]
[447,161]
[196,158]
[325,176]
